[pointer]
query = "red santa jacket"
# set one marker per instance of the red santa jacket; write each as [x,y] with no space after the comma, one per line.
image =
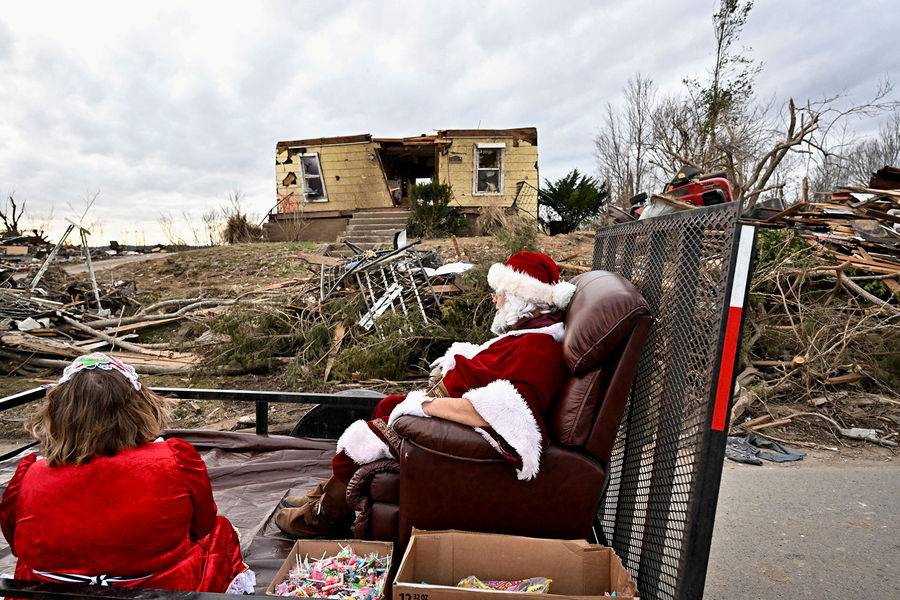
[145,516]
[510,380]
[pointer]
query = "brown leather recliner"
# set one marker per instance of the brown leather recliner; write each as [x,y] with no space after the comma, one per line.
[448,477]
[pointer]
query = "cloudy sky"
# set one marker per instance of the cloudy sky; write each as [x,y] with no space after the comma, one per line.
[166,107]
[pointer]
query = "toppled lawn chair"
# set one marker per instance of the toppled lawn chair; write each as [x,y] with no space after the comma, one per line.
[388,279]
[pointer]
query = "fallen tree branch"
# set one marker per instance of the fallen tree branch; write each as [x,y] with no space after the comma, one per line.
[796,443]
[179,313]
[854,433]
[772,424]
[107,338]
[53,363]
[165,303]
[870,297]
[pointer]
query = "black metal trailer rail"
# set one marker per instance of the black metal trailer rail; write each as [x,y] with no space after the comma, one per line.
[348,403]
[17,588]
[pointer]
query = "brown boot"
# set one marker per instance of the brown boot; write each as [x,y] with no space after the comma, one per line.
[326,516]
[298,501]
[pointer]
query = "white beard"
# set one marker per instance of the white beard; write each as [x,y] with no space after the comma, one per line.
[514,309]
[499,325]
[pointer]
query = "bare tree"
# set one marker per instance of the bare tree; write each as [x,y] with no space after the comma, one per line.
[723,126]
[192,227]
[212,224]
[11,213]
[730,85]
[719,124]
[870,155]
[623,145]
[836,156]
[169,231]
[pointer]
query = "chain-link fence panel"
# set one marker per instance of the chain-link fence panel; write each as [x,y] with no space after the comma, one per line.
[681,263]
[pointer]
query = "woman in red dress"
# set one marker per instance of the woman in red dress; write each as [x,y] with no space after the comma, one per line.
[107,501]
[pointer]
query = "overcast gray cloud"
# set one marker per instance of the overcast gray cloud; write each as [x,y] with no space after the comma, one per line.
[167,107]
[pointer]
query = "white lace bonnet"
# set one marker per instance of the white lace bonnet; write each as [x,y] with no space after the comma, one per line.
[98,360]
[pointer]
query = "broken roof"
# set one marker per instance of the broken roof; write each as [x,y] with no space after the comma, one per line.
[528,134]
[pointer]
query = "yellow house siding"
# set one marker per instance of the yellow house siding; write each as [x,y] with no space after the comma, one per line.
[352,180]
[518,165]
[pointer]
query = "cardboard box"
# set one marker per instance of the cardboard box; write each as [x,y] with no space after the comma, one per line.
[435,561]
[315,549]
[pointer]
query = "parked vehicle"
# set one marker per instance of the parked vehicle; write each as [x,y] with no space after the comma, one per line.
[688,186]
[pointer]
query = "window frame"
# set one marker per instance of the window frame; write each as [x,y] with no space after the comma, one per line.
[303,177]
[500,169]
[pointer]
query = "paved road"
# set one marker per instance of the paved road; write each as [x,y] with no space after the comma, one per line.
[109,263]
[807,530]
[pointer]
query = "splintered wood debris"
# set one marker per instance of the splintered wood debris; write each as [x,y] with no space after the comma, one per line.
[859,227]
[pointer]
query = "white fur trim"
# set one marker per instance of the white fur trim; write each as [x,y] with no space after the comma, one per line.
[562,293]
[242,583]
[412,405]
[506,279]
[448,360]
[361,444]
[500,404]
[557,331]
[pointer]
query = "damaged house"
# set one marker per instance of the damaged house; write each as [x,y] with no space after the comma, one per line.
[322,182]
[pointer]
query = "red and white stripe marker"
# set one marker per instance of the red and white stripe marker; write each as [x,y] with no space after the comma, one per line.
[733,325]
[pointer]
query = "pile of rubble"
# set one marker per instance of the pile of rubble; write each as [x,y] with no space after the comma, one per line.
[46,318]
[37,332]
[857,227]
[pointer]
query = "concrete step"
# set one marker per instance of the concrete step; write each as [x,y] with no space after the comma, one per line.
[364,225]
[381,216]
[396,211]
[370,230]
[383,223]
[373,229]
[369,239]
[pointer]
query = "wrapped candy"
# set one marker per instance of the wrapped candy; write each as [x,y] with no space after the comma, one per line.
[346,575]
[535,585]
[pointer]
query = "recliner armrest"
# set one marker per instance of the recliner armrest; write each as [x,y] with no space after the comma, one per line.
[445,437]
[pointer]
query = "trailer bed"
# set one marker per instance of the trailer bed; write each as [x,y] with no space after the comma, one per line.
[250,474]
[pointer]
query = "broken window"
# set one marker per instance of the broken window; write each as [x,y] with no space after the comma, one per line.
[488,169]
[313,184]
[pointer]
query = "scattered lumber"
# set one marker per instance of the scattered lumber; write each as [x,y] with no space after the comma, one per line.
[770,424]
[854,225]
[571,267]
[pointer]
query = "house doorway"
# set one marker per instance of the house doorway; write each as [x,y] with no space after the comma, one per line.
[405,163]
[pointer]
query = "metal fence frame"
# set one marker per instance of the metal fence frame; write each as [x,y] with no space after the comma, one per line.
[694,269]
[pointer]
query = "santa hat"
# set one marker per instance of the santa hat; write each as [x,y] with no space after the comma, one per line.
[533,277]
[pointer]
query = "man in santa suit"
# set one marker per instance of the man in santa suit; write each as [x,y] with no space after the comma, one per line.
[501,388]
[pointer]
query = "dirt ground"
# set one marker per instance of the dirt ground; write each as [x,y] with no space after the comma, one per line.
[228,271]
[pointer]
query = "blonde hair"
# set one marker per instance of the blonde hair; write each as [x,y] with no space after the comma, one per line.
[96,413]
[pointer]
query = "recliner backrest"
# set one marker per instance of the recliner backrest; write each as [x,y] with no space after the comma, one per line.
[604,315]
